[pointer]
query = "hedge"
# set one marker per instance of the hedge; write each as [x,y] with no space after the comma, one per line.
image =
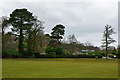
[65,56]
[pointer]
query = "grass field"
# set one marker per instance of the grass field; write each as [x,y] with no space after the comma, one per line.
[60,68]
[0,68]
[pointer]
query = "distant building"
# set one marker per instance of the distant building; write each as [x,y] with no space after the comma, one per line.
[46,42]
[88,50]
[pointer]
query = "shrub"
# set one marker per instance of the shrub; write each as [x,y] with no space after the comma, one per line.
[49,49]
[36,55]
[15,54]
[67,53]
[102,53]
[6,54]
[59,51]
[24,54]
[112,55]
[92,53]
[86,56]
[11,54]
[52,54]
[114,51]
[97,53]
[31,56]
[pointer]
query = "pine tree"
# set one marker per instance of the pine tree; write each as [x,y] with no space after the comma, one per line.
[107,39]
[22,21]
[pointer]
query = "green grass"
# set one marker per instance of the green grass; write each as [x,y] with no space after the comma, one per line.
[0,68]
[60,68]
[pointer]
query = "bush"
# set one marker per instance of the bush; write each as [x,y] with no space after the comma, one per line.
[86,56]
[59,51]
[15,54]
[49,49]
[6,54]
[102,53]
[67,53]
[112,56]
[92,53]
[24,54]
[11,54]
[97,53]
[52,54]
[36,55]
[114,51]
[31,56]
[42,56]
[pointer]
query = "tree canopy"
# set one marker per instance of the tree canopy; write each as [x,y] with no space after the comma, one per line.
[22,21]
[58,32]
[107,39]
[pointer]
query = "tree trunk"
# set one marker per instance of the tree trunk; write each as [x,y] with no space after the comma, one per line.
[29,45]
[21,42]
[106,53]
[106,43]
[3,44]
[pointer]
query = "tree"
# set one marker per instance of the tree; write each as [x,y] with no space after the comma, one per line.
[36,37]
[22,21]
[58,32]
[9,44]
[88,43]
[58,50]
[114,51]
[73,42]
[4,23]
[71,39]
[107,40]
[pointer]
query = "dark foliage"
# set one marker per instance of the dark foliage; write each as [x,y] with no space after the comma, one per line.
[22,21]
[66,56]
[58,32]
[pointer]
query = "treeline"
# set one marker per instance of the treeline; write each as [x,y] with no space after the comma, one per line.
[22,34]
[23,37]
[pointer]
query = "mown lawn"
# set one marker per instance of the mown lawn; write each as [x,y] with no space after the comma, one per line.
[0,68]
[60,68]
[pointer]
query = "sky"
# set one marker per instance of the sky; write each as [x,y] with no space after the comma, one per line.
[85,19]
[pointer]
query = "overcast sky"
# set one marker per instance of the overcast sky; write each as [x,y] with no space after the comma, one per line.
[83,18]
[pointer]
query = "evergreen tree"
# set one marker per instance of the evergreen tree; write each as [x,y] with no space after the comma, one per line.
[57,32]
[22,21]
[107,40]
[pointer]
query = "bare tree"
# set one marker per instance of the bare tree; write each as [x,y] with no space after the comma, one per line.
[88,43]
[4,23]
[36,37]
[72,39]
[72,42]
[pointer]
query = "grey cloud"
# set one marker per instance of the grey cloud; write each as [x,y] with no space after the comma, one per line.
[84,19]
